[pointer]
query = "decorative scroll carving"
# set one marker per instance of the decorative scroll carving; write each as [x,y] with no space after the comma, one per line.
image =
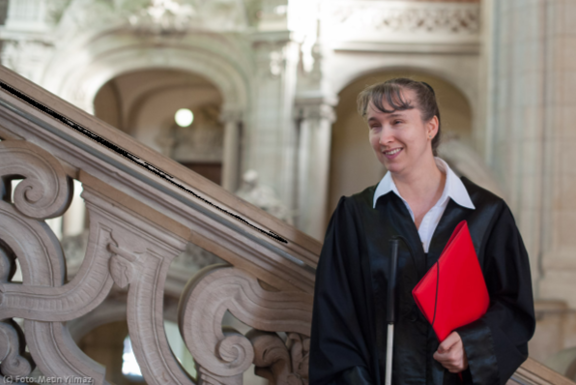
[224,355]
[40,254]
[280,362]
[122,247]
[46,191]
[299,346]
[13,362]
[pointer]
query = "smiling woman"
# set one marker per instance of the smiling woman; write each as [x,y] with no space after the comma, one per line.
[421,201]
[397,121]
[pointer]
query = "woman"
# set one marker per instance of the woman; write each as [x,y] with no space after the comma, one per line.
[421,200]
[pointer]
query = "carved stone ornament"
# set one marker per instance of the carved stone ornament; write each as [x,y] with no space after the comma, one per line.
[271,59]
[46,190]
[177,17]
[122,247]
[278,361]
[223,355]
[163,17]
[12,356]
[121,265]
[403,17]
[27,57]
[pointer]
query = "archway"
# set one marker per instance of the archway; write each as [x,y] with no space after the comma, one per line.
[81,68]
[144,103]
[354,166]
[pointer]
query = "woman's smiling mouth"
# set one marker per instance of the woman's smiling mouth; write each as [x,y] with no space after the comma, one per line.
[391,154]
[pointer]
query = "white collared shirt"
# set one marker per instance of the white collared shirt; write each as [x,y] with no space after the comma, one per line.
[454,189]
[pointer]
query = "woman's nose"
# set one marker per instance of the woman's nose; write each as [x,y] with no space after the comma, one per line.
[385,136]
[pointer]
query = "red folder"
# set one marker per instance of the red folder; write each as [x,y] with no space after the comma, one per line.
[453,292]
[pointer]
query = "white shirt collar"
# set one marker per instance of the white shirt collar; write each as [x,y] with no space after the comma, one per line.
[454,187]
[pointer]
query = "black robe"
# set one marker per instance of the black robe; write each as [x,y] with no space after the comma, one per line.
[348,340]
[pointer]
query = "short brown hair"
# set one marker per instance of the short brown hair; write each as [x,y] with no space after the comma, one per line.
[391,91]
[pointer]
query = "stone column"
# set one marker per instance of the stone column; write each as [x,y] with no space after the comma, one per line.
[271,137]
[517,127]
[231,155]
[559,254]
[315,125]
[531,135]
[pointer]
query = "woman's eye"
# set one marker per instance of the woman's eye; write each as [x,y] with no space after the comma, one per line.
[397,122]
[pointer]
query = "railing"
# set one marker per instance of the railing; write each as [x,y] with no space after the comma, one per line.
[143,210]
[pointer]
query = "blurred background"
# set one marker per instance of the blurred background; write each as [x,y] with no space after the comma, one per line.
[259,96]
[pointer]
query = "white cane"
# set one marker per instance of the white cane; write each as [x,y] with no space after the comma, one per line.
[390,309]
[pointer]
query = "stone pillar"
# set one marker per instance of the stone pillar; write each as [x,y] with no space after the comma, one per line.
[315,126]
[231,155]
[559,255]
[517,127]
[271,137]
[531,135]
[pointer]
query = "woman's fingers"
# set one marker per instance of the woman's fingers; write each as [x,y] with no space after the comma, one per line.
[449,342]
[451,354]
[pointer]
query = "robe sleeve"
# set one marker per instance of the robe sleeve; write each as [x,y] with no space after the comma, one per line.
[338,350]
[497,344]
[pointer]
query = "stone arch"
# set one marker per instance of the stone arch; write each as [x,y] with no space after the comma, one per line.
[463,80]
[81,67]
[78,77]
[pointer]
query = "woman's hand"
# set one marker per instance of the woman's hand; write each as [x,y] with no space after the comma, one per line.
[451,354]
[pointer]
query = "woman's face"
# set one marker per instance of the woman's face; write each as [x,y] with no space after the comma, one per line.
[400,139]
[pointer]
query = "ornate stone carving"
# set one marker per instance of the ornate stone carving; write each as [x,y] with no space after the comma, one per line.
[13,362]
[223,355]
[121,265]
[271,59]
[278,361]
[299,346]
[403,18]
[163,17]
[27,57]
[122,248]
[177,17]
[46,191]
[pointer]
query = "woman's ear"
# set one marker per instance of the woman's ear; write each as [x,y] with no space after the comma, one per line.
[432,127]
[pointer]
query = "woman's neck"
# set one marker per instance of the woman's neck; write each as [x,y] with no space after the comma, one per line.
[421,187]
